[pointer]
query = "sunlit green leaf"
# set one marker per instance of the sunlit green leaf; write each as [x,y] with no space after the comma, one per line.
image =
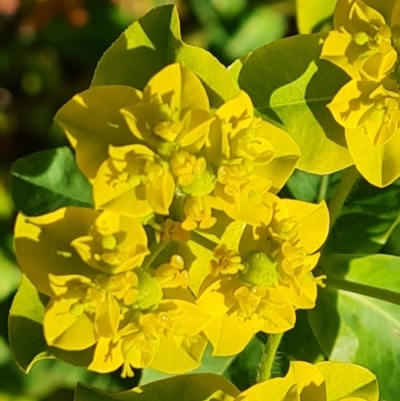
[348,380]
[150,44]
[359,329]
[288,83]
[25,324]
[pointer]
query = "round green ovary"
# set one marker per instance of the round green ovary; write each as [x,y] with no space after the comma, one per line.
[150,291]
[203,184]
[261,270]
[109,243]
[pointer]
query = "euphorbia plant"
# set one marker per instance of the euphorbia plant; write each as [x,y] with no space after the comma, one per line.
[181,220]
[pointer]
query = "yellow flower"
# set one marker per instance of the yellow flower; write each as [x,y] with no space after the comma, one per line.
[171,113]
[83,260]
[369,112]
[251,158]
[167,338]
[115,244]
[259,285]
[169,149]
[198,213]
[325,381]
[174,112]
[370,106]
[134,181]
[106,290]
[361,42]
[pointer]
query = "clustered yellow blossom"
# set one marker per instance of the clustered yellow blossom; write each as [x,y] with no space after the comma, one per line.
[258,285]
[188,241]
[365,46]
[106,291]
[169,152]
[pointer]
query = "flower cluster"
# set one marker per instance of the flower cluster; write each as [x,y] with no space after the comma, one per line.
[106,290]
[258,284]
[187,240]
[364,45]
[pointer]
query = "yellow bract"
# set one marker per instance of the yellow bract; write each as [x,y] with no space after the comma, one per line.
[114,244]
[369,106]
[245,152]
[174,112]
[325,381]
[361,42]
[134,181]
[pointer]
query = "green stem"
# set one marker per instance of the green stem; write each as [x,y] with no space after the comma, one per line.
[363,289]
[335,205]
[271,346]
[323,188]
[154,252]
[203,241]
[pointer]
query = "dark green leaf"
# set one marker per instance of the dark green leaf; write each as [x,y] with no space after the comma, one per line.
[367,220]
[244,369]
[49,180]
[304,186]
[300,343]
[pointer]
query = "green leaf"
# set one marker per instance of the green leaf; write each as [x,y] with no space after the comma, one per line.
[209,364]
[367,220]
[383,7]
[26,331]
[311,13]
[152,43]
[348,380]
[355,328]
[288,83]
[47,181]
[25,324]
[304,186]
[300,343]
[190,387]
[243,370]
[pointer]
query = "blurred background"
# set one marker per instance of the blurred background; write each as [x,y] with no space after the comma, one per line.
[48,52]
